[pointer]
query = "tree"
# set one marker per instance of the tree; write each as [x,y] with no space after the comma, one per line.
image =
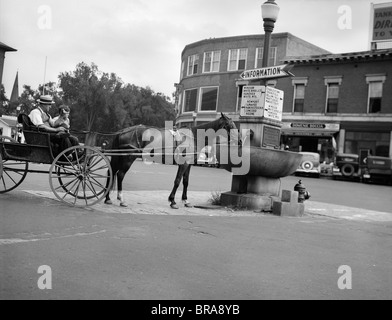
[3,101]
[101,102]
[88,91]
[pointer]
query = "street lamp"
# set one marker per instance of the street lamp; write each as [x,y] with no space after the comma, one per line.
[269,12]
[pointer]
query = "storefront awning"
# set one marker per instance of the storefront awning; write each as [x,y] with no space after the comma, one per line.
[310,129]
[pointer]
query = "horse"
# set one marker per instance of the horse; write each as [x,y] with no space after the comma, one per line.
[178,145]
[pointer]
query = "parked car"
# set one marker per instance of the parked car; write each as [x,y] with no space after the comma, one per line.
[310,164]
[378,169]
[347,166]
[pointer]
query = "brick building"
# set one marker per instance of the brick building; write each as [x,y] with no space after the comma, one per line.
[210,71]
[339,98]
[334,102]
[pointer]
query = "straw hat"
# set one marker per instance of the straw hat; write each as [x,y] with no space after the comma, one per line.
[45,100]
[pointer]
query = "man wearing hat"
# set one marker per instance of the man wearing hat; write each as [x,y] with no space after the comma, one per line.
[41,118]
[40,115]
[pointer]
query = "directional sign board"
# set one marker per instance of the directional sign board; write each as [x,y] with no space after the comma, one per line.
[267,73]
[261,101]
[252,103]
[273,105]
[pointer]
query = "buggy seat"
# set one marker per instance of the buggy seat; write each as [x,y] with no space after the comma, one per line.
[34,135]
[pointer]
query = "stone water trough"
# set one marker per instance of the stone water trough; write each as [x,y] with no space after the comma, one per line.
[256,183]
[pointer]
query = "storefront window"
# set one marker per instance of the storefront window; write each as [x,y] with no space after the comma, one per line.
[377,143]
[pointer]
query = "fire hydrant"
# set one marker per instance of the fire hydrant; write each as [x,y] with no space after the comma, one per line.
[303,194]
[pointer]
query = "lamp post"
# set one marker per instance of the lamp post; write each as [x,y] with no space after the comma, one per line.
[269,13]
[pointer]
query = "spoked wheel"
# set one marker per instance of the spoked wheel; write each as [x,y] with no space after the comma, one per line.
[81,176]
[12,173]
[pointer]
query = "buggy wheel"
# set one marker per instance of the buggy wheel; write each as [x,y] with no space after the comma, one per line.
[12,173]
[83,180]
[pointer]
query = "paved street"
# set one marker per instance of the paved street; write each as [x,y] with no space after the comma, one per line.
[157,177]
[148,251]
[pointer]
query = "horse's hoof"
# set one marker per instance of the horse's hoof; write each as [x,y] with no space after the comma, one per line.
[174,206]
[123,205]
[108,202]
[187,204]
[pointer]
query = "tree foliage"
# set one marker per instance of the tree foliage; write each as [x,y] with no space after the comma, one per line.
[99,101]
[102,102]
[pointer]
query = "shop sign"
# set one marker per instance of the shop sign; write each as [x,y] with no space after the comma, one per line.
[382,22]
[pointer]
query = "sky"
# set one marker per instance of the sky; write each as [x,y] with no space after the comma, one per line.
[141,41]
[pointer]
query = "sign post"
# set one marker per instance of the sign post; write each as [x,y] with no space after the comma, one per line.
[252,102]
[267,73]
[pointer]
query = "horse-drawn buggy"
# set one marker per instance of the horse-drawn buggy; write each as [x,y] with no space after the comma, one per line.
[84,175]
[78,176]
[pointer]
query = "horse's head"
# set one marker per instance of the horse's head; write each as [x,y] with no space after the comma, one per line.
[228,124]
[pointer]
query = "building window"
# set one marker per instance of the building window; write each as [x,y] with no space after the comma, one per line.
[333,86]
[208,99]
[190,100]
[237,59]
[299,93]
[211,61]
[193,63]
[375,83]
[271,57]
[299,97]
[332,98]
[182,70]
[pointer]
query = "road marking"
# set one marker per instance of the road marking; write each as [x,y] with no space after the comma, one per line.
[18,240]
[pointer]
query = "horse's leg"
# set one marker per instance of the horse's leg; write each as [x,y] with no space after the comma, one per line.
[120,197]
[185,183]
[108,200]
[114,170]
[120,178]
[177,181]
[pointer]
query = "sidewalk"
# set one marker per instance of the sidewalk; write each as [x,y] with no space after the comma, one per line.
[155,203]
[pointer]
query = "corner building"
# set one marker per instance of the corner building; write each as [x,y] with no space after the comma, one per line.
[210,73]
[334,103]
